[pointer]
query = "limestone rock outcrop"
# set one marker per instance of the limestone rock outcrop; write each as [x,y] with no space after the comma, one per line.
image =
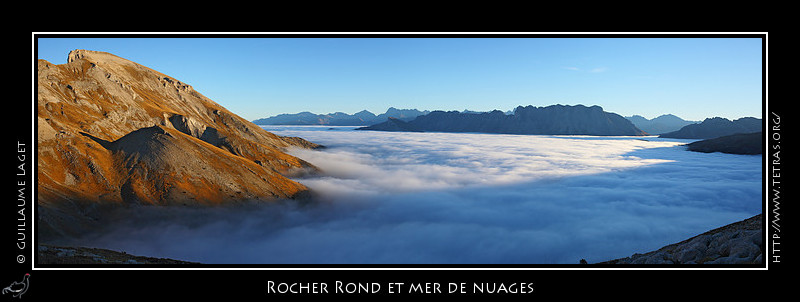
[111,131]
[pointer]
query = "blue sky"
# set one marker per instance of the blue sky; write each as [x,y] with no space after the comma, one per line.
[693,78]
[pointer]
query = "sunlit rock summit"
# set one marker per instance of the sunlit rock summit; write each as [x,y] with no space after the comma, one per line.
[112,132]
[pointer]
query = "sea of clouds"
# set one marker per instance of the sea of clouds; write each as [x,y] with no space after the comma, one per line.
[464,198]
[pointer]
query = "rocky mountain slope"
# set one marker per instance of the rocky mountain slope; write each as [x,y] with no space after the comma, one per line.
[113,132]
[737,243]
[49,254]
[550,120]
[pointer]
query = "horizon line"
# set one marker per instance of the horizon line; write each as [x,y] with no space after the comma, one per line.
[506,111]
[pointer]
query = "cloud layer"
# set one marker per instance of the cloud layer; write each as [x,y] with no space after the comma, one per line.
[464,198]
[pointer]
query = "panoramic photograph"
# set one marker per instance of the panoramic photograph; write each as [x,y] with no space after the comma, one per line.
[456,151]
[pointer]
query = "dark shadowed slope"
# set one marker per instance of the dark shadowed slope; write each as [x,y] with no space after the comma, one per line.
[748,143]
[716,127]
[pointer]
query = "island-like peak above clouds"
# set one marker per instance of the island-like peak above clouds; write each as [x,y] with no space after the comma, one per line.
[549,120]
[111,132]
[717,127]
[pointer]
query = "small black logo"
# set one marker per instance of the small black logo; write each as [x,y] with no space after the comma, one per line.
[18,288]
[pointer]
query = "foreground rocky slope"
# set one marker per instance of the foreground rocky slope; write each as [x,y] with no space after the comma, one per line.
[50,254]
[736,243]
[112,132]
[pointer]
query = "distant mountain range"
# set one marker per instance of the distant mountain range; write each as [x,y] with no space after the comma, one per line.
[552,120]
[662,124]
[362,118]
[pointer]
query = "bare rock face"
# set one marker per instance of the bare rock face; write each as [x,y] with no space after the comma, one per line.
[736,243]
[111,132]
